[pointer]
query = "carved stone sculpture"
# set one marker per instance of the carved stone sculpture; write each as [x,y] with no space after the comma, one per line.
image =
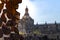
[10,13]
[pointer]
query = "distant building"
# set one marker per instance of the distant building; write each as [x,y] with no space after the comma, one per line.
[26,26]
[26,23]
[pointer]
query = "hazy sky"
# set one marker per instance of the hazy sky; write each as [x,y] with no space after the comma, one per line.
[42,10]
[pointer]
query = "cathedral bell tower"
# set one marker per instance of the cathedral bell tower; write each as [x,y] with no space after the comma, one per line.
[26,11]
[27,22]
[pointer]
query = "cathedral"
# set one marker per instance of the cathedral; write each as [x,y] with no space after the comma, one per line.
[26,23]
[26,26]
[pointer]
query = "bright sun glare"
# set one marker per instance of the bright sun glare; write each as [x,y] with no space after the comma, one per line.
[23,5]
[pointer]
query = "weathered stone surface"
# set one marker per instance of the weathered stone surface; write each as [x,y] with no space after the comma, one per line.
[10,13]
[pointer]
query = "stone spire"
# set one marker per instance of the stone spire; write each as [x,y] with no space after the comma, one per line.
[26,11]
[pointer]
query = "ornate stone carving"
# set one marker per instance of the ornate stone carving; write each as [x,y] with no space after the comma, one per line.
[11,13]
